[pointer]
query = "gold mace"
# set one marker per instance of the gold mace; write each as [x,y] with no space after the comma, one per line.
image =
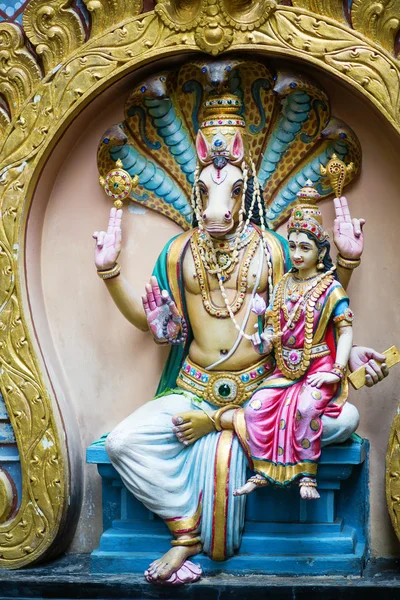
[336,170]
[118,184]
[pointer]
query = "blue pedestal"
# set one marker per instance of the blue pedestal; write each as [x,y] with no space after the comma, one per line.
[283,534]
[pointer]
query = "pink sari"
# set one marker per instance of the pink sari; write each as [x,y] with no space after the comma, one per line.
[283,418]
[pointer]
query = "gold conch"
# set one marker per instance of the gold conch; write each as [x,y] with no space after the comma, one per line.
[336,170]
[118,184]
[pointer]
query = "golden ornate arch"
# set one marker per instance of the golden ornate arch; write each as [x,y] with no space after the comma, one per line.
[45,83]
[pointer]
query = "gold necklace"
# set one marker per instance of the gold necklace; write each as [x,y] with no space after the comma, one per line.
[222,256]
[201,272]
[318,288]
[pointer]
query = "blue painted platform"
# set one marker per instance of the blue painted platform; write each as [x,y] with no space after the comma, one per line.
[283,534]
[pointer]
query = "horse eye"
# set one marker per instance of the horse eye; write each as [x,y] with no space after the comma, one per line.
[236,191]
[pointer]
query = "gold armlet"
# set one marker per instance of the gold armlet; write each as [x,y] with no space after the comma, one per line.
[347,317]
[348,263]
[110,273]
[217,415]
[187,541]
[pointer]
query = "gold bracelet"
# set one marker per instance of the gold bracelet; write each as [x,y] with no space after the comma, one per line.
[110,273]
[348,263]
[187,541]
[217,416]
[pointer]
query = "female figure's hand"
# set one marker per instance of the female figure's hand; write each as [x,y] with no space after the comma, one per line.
[108,243]
[347,232]
[319,379]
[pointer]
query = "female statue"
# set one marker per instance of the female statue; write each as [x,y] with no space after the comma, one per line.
[179,454]
[309,324]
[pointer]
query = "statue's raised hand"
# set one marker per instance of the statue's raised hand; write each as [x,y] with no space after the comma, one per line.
[108,243]
[162,314]
[347,232]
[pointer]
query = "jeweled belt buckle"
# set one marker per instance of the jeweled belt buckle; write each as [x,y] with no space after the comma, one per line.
[294,357]
[225,389]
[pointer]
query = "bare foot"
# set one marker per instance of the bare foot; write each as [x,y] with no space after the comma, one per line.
[253,483]
[171,562]
[191,426]
[247,488]
[309,493]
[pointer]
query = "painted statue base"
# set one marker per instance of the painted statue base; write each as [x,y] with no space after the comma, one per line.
[283,534]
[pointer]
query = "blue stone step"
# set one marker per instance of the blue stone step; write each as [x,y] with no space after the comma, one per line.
[288,564]
[342,542]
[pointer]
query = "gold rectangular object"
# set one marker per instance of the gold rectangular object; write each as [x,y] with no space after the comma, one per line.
[357,378]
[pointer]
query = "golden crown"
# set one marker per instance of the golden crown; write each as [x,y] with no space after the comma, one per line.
[306,217]
[220,123]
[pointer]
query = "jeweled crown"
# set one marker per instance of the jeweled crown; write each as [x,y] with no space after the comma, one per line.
[221,120]
[306,216]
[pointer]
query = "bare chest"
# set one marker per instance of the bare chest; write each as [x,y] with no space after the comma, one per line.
[251,269]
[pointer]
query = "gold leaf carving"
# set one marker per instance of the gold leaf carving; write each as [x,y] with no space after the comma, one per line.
[181,15]
[246,15]
[106,13]
[6,496]
[19,71]
[380,21]
[327,8]
[54,29]
[393,474]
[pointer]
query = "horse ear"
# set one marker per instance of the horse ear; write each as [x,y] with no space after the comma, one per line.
[202,147]
[237,147]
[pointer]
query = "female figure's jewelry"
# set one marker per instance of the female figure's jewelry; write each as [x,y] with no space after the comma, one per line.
[339,370]
[320,265]
[308,482]
[348,263]
[258,480]
[109,273]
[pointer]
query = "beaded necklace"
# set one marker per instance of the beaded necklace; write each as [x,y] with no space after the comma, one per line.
[241,284]
[307,303]
[197,207]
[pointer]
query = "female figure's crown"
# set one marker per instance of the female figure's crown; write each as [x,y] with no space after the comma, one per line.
[306,217]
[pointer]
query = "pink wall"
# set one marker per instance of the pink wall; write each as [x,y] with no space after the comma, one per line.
[105,368]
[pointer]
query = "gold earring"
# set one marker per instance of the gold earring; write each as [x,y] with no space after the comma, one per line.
[320,265]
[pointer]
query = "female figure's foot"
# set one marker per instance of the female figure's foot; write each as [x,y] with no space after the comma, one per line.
[191,426]
[251,484]
[308,488]
[163,568]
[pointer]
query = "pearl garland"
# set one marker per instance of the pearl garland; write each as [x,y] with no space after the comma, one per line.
[208,251]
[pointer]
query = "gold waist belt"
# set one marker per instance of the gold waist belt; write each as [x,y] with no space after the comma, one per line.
[293,356]
[223,387]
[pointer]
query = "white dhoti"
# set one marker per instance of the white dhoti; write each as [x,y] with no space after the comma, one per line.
[191,487]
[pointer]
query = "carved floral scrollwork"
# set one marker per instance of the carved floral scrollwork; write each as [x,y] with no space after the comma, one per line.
[6,496]
[380,21]
[19,71]
[214,21]
[54,29]
[328,8]
[106,13]
[393,474]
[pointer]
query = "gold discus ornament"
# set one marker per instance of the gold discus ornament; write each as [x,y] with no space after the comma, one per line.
[118,184]
[337,170]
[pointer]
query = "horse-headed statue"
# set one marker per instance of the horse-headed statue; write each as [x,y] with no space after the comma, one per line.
[222,148]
